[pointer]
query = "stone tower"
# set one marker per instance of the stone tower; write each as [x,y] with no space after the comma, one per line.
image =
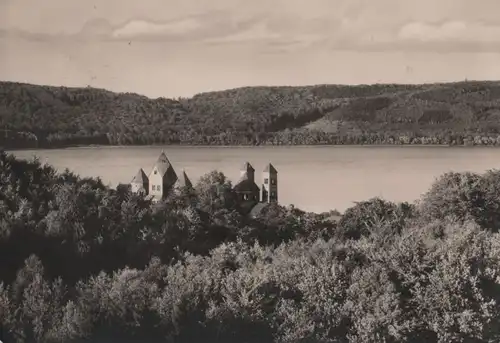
[183,182]
[247,192]
[162,178]
[269,189]
[140,183]
[247,172]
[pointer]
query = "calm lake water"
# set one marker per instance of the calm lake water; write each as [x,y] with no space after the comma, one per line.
[312,178]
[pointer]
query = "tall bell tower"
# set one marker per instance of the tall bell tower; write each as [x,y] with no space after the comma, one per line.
[269,189]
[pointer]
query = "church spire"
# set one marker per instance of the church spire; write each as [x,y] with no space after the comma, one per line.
[183,180]
[247,172]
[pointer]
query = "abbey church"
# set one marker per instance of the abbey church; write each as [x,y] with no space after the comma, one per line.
[162,180]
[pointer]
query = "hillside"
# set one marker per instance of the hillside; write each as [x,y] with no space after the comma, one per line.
[453,113]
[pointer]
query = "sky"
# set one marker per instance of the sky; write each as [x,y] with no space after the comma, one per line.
[172,48]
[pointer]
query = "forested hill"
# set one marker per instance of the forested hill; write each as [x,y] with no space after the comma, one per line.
[454,113]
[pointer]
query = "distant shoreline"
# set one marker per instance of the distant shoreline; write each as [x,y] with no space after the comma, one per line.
[257,146]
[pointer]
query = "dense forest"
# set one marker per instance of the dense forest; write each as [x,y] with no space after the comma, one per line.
[464,113]
[80,260]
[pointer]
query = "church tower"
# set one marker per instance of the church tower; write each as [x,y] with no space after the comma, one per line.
[162,178]
[183,183]
[247,172]
[246,190]
[269,189]
[140,183]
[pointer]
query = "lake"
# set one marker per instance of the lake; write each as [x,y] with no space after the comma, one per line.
[316,178]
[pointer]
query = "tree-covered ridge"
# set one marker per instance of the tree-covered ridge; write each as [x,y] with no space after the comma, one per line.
[454,113]
[79,260]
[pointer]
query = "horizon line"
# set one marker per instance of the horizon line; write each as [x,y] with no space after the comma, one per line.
[255,86]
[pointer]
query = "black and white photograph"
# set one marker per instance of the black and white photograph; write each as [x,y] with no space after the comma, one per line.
[265,171]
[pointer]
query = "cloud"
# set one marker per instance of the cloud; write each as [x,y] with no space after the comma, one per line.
[259,32]
[269,33]
[280,25]
[24,35]
[98,27]
[450,31]
[143,28]
[416,36]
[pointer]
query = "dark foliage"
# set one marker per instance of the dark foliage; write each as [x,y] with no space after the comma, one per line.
[81,261]
[464,113]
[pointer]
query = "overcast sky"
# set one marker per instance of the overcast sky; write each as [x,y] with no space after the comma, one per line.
[180,47]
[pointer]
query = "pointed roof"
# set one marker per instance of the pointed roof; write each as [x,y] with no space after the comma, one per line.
[183,180]
[247,167]
[270,169]
[163,164]
[140,177]
[243,177]
[246,181]
[246,186]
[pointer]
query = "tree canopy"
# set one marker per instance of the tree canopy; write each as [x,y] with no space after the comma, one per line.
[463,113]
[79,260]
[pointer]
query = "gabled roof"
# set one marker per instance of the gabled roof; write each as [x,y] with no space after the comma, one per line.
[183,180]
[244,176]
[247,167]
[163,164]
[165,170]
[270,169]
[246,181]
[140,177]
